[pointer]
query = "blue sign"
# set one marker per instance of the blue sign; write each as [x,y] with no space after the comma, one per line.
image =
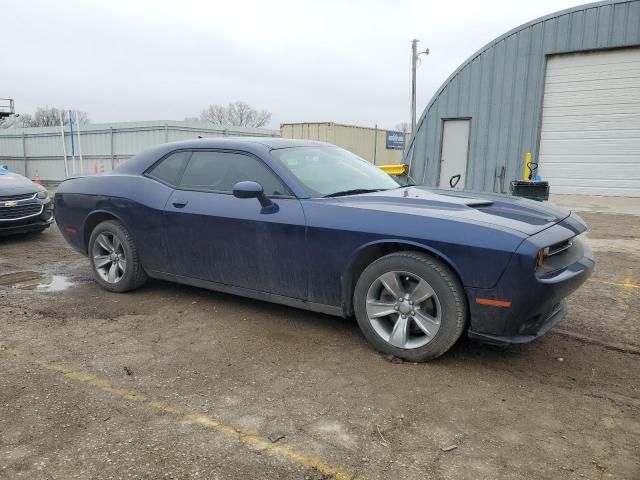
[395,140]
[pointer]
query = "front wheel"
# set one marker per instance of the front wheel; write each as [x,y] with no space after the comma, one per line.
[114,258]
[410,305]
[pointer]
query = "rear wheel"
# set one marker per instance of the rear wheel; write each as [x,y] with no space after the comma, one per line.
[114,258]
[410,305]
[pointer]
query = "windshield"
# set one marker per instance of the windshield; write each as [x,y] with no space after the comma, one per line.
[327,171]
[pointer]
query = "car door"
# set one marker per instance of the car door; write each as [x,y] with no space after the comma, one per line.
[160,182]
[211,235]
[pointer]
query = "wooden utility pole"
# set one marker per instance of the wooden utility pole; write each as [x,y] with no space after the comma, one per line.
[414,64]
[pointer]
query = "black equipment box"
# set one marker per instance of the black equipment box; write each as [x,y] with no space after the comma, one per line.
[531,190]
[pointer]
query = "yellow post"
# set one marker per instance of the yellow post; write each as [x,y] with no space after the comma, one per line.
[527,169]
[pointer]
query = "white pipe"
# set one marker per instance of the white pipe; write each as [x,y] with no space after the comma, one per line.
[79,144]
[73,149]
[64,146]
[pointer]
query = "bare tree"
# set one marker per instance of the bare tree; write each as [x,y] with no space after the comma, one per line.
[236,114]
[50,117]
[43,117]
[403,127]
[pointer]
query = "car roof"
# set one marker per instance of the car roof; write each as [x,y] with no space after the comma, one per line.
[140,162]
[271,143]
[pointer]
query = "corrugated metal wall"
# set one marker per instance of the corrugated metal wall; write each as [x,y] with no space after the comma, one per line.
[362,141]
[31,151]
[501,89]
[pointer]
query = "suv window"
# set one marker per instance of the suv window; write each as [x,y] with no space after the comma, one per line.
[220,171]
[169,169]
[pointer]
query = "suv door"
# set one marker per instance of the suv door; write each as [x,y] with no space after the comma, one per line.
[212,235]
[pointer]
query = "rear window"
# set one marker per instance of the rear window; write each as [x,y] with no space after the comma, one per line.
[169,169]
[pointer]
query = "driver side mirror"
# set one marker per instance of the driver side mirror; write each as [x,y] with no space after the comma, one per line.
[248,189]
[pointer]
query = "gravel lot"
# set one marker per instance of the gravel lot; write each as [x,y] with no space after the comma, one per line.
[178,382]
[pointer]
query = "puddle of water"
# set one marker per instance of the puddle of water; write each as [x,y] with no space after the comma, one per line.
[41,282]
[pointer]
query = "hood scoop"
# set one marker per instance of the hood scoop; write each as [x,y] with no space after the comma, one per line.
[519,213]
[460,198]
[479,203]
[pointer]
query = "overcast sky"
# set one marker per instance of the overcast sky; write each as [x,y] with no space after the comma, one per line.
[341,61]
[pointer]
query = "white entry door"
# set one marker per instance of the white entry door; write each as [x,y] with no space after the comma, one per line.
[455,153]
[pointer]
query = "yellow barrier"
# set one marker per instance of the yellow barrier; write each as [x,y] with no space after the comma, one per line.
[398,169]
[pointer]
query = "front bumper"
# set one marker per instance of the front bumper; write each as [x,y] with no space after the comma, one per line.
[32,223]
[547,324]
[537,303]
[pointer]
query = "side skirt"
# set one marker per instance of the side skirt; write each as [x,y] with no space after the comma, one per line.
[254,294]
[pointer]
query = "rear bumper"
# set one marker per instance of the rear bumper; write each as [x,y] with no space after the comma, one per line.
[535,303]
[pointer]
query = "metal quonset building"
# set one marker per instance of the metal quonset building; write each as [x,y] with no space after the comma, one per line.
[565,87]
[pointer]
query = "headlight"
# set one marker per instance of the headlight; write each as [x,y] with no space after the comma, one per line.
[540,257]
[42,195]
[552,250]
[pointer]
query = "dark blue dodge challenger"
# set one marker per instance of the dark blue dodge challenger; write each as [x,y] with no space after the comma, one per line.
[310,225]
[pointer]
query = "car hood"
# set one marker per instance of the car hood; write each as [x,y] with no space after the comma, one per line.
[14,184]
[515,213]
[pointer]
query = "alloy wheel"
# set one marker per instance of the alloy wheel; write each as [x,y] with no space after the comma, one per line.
[109,257]
[403,309]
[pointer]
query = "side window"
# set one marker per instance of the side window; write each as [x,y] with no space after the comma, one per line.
[169,169]
[220,171]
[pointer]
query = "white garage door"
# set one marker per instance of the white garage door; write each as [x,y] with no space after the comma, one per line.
[590,139]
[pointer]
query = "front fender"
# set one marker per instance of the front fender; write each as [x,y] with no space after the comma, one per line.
[410,245]
[370,251]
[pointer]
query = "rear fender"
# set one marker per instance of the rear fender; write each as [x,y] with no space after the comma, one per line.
[93,219]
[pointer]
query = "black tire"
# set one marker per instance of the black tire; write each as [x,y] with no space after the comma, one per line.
[134,275]
[447,288]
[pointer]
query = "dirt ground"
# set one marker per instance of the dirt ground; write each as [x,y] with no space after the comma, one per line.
[178,382]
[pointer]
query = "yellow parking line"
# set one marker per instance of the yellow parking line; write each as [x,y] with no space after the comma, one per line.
[205,421]
[625,284]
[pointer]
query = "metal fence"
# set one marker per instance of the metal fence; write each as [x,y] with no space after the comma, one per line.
[39,151]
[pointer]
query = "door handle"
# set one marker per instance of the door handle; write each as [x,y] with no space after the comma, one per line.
[180,202]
